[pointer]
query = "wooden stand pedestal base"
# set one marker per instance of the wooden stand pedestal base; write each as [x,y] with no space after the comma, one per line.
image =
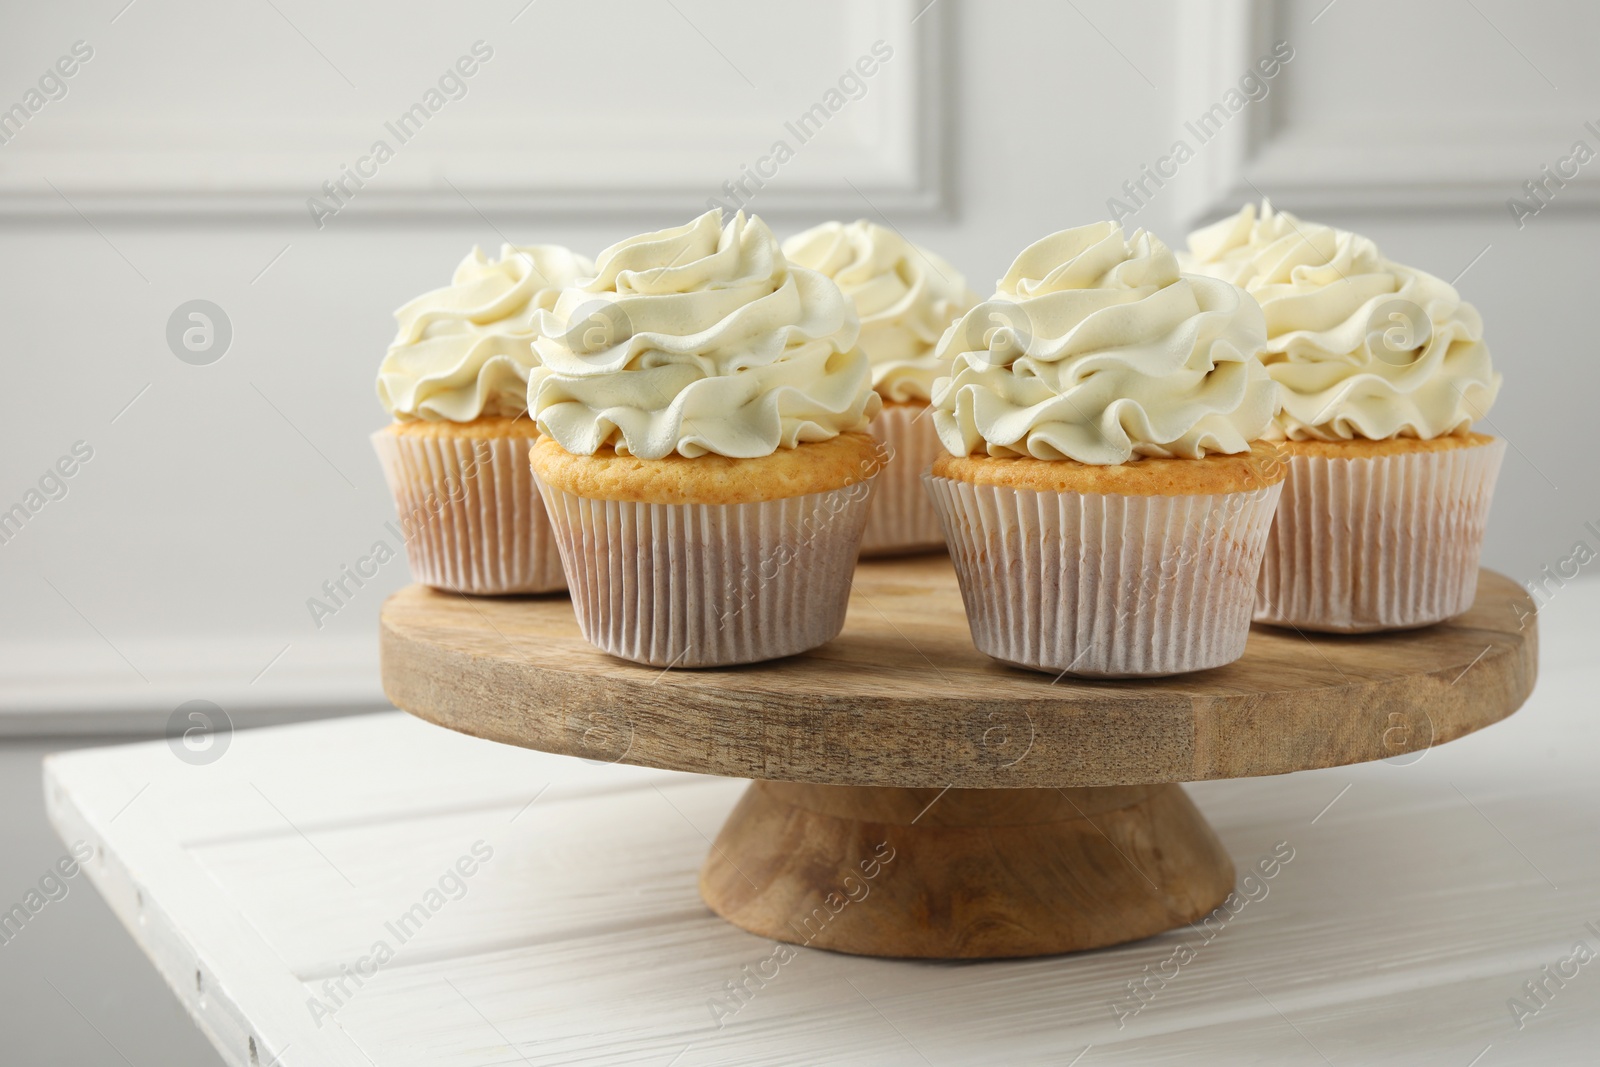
[966,874]
[869,856]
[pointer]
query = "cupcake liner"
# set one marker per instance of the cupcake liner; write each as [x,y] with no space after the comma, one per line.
[1378,542]
[901,520]
[470,513]
[709,585]
[1105,585]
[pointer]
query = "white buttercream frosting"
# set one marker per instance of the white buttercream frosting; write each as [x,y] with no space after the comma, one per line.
[700,339]
[1095,348]
[464,351]
[1364,347]
[906,297]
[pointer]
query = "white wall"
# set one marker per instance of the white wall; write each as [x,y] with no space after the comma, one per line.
[226,494]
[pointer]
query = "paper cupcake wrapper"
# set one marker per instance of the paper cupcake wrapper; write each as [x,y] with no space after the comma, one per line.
[709,585]
[901,519]
[1378,543]
[470,513]
[1105,585]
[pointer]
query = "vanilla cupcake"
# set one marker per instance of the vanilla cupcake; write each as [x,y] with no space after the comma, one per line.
[1384,370]
[706,465]
[1104,502]
[906,297]
[455,380]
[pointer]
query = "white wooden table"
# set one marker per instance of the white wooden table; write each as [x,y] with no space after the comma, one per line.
[1419,900]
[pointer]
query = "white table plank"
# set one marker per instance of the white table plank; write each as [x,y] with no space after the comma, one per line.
[1414,908]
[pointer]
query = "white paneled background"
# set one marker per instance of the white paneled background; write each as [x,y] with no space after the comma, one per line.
[176,167]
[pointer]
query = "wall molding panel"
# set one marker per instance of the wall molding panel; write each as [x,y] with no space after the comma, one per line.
[75,687]
[1457,163]
[504,162]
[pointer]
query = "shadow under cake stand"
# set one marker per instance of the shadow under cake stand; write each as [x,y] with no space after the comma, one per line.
[987,811]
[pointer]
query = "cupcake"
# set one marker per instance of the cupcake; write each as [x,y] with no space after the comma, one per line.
[455,381]
[705,464]
[1104,498]
[906,297]
[1383,370]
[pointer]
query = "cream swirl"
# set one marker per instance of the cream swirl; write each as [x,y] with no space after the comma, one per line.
[697,339]
[1363,346]
[464,351]
[1095,348]
[906,297]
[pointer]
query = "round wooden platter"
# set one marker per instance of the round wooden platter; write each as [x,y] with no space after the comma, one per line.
[991,811]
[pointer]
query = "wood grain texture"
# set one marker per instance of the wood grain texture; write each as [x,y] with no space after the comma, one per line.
[963,873]
[1422,894]
[902,698]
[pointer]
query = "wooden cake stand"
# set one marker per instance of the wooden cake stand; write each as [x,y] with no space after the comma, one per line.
[988,811]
